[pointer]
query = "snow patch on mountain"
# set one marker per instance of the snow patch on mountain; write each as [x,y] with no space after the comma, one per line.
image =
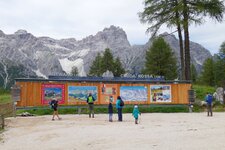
[68,64]
[198,62]
[83,52]
[38,73]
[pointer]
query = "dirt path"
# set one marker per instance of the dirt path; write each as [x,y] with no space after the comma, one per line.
[171,131]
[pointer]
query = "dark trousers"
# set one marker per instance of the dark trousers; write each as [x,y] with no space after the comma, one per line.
[110,117]
[91,110]
[120,114]
[136,120]
[209,109]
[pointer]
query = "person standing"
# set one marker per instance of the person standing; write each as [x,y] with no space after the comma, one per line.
[136,113]
[54,105]
[209,99]
[119,107]
[110,111]
[90,101]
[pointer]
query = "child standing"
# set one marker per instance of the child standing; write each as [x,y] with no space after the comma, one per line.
[136,113]
[110,110]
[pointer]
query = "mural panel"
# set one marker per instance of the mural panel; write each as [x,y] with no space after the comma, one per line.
[53,91]
[108,92]
[160,93]
[133,93]
[80,93]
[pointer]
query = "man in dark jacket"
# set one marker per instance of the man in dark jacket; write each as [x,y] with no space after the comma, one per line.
[90,101]
[209,99]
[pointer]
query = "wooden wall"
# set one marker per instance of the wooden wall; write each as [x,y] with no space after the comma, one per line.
[31,93]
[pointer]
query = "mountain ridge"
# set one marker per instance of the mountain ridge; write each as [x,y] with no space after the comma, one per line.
[44,56]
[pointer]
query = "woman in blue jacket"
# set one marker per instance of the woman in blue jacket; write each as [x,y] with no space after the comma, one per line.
[119,108]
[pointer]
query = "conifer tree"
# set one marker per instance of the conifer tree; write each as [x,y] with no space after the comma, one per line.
[96,67]
[194,74]
[207,75]
[118,69]
[222,48]
[160,60]
[74,71]
[108,61]
[181,13]
[219,67]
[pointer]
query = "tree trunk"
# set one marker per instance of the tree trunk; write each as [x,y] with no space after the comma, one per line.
[180,42]
[186,42]
[181,52]
[178,19]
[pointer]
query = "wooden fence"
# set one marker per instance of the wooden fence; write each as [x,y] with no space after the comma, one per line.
[6,110]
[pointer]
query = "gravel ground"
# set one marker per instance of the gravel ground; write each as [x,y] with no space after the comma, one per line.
[156,131]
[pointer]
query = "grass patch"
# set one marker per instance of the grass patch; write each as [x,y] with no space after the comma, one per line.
[35,111]
[104,109]
[5,98]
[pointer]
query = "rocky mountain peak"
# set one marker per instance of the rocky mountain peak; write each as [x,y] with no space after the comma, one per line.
[114,35]
[19,32]
[114,31]
[168,36]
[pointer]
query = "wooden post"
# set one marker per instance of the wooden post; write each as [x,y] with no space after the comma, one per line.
[79,110]
[3,121]
[14,109]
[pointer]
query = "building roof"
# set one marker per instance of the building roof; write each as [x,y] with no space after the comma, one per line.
[100,79]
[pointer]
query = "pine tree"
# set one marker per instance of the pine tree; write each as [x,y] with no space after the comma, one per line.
[160,60]
[207,75]
[104,63]
[181,13]
[96,67]
[219,67]
[194,74]
[107,61]
[222,49]
[219,72]
[118,70]
[74,71]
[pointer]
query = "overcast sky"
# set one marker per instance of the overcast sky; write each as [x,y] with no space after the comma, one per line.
[80,18]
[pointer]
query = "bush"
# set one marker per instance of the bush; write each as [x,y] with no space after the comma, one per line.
[104,109]
[4,91]
[201,91]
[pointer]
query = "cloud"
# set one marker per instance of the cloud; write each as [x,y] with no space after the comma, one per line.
[80,18]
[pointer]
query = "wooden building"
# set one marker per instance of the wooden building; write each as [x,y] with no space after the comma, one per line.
[74,90]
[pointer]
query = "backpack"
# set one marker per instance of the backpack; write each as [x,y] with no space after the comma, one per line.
[90,99]
[121,103]
[209,99]
[53,103]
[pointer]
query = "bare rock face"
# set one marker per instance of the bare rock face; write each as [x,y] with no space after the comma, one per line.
[219,95]
[197,52]
[45,56]
[108,74]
